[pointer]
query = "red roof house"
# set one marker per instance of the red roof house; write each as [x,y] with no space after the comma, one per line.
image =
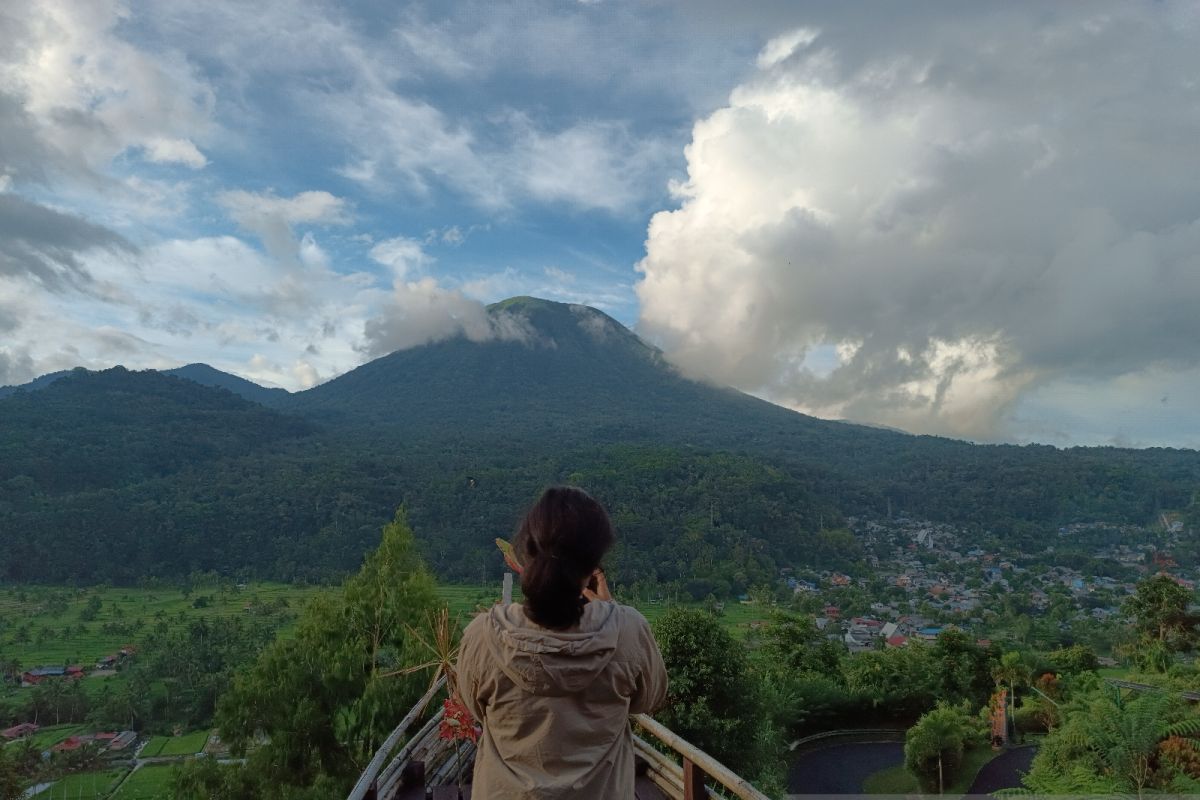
[19,731]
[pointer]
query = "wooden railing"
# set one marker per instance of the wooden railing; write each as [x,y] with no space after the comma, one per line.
[687,779]
[376,774]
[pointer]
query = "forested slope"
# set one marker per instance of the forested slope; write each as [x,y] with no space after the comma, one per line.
[117,475]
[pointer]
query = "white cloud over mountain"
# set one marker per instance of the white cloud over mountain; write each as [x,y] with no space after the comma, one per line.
[994,201]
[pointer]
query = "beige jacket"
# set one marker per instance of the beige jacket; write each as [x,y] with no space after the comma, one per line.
[555,705]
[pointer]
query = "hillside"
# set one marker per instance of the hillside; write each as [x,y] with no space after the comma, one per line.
[115,475]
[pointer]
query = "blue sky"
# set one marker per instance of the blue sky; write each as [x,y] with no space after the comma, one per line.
[978,220]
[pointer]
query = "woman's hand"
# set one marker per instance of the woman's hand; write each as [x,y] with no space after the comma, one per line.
[601,591]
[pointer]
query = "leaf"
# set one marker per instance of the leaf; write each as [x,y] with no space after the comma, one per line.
[510,555]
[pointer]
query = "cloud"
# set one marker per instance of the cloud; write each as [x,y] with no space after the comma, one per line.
[174,151]
[401,255]
[273,218]
[45,246]
[421,312]
[781,48]
[87,95]
[16,367]
[589,165]
[959,222]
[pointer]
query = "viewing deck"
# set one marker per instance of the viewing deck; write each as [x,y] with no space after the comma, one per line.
[428,766]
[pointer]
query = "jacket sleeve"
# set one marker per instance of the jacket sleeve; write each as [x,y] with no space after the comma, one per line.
[467,670]
[650,691]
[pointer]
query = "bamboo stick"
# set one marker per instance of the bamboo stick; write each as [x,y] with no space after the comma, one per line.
[367,779]
[391,773]
[713,768]
[654,757]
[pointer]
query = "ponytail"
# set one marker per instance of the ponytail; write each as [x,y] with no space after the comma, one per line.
[561,541]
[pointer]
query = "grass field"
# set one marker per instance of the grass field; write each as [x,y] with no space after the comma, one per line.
[148,783]
[49,625]
[898,780]
[49,736]
[464,601]
[84,786]
[186,745]
[44,625]
[893,780]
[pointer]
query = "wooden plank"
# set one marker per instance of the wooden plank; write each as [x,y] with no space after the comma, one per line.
[693,782]
[722,774]
[645,789]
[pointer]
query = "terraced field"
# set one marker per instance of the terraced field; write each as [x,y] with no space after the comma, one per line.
[147,783]
[51,625]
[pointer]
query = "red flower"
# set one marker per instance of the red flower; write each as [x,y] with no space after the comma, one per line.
[457,723]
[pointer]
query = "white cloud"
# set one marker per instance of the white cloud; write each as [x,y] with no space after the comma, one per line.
[272,218]
[401,255]
[175,151]
[782,47]
[959,224]
[421,312]
[92,96]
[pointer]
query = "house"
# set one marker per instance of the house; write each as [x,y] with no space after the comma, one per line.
[70,744]
[889,630]
[897,641]
[855,643]
[833,612]
[36,675]
[73,671]
[106,662]
[123,740]
[840,580]
[929,634]
[19,731]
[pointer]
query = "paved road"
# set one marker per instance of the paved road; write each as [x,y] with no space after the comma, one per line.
[842,768]
[1003,771]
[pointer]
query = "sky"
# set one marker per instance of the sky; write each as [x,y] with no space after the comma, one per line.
[979,220]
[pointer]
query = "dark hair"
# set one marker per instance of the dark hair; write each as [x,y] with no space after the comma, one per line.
[560,542]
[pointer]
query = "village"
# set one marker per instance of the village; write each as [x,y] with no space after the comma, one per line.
[921,578]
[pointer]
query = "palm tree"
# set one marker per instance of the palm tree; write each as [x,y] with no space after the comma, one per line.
[938,733]
[1010,672]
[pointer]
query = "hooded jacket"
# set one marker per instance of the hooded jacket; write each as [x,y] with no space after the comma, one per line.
[555,705]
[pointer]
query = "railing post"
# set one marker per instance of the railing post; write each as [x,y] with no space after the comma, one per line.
[693,782]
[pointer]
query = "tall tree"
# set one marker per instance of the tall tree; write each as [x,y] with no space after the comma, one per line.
[1163,620]
[933,748]
[325,700]
[713,701]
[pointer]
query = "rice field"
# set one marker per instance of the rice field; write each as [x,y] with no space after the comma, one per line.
[47,625]
[147,783]
[84,786]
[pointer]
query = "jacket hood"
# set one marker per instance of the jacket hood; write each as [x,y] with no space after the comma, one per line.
[543,661]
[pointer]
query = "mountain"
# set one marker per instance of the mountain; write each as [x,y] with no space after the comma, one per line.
[205,375]
[117,475]
[40,382]
[202,374]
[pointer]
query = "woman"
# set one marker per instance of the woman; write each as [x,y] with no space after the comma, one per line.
[553,681]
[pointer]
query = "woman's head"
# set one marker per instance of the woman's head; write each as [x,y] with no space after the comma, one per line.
[560,542]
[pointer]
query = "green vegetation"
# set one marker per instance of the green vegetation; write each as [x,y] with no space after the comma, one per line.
[893,780]
[150,782]
[113,476]
[96,785]
[187,744]
[1165,623]
[327,698]
[934,747]
[714,699]
[57,635]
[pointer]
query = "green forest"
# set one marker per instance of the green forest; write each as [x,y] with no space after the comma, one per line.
[116,475]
